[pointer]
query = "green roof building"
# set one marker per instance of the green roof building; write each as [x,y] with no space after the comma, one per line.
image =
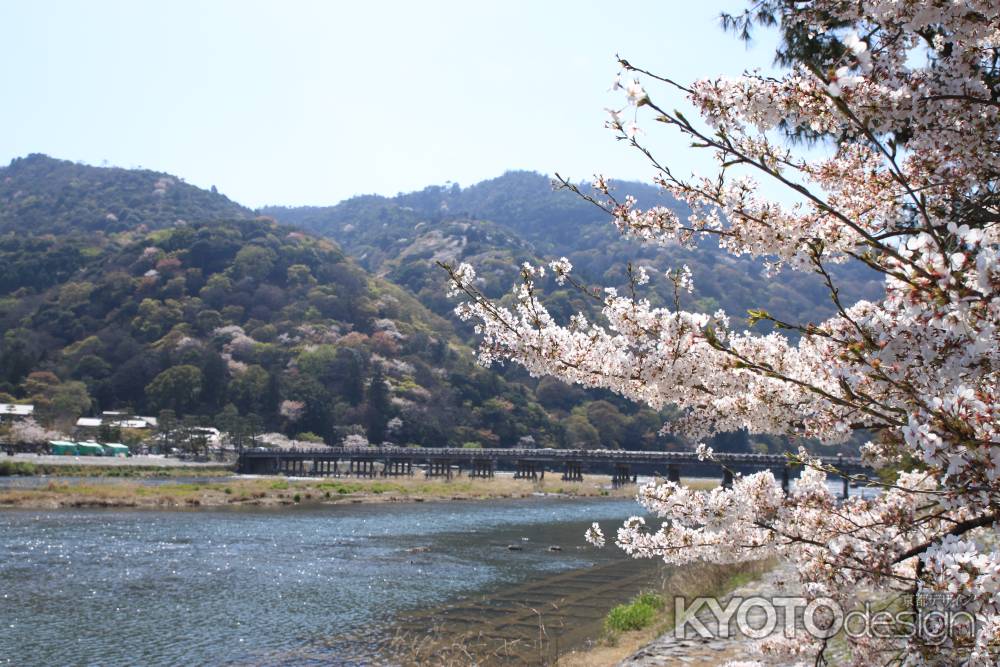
[115,449]
[89,449]
[62,448]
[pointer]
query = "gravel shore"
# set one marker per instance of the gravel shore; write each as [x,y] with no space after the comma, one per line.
[111,461]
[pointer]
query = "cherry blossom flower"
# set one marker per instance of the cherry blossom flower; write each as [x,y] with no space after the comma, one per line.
[908,188]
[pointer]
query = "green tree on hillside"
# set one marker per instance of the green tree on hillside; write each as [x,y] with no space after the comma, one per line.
[580,433]
[247,390]
[176,388]
[19,352]
[609,422]
[379,406]
[68,401]
[253,262]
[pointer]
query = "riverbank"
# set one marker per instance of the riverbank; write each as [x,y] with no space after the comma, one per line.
[570,619]
[31,465]
[279,491]
[654,644]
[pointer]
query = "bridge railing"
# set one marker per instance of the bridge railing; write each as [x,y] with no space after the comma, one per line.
[584,455]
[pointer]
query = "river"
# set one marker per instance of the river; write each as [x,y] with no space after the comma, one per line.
[305,585]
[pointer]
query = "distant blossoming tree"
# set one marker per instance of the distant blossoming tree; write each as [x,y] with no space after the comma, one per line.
[30,431]
[292,410]
[354,440]
[905,95]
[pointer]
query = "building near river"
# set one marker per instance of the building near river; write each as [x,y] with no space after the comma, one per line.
[116,449]
[10,412]
[62,448]
[117,420]
[89,449]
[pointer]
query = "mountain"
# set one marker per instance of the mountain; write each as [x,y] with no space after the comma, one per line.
[175,306]
[39,194]
[497,224]
[246,318]
[129,289]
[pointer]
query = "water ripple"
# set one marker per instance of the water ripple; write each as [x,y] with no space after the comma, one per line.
[295,587]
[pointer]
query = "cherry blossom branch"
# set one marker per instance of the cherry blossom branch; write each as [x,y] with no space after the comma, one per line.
[959,529]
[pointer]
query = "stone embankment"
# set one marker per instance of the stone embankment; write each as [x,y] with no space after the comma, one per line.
[694,651]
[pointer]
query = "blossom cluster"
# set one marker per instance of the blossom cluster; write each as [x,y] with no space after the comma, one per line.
[909,108]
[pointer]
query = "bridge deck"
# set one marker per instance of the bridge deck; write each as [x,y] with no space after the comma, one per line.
[550,456]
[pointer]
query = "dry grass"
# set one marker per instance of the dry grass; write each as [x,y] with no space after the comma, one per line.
[703,579]
[281,491]
[118,468]
[440,648]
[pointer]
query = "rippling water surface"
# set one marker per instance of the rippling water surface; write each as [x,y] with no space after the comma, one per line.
[264,586]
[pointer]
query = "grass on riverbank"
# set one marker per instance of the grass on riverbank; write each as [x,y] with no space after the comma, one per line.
[636,615]
[270,491]
[30,469]
[630,627]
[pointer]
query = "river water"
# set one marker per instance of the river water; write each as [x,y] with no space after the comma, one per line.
[305,585]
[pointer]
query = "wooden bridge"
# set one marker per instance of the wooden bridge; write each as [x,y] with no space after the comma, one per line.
[624,466]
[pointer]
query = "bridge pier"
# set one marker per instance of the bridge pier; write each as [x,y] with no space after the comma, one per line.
[362,468]
[397,467]
[622,475]
[785,481]
[482,468]
[319,467]
[674,473]
[573,472]
[438,469]
[847,487]
[533,470]
[727,478]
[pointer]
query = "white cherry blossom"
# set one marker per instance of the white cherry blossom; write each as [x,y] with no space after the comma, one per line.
[909,108]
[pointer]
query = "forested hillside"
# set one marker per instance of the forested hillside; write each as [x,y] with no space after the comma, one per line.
[498,223]
[251,319]
[39,194]
[131,290]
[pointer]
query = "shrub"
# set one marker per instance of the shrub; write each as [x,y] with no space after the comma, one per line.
[651,599]
[635,615]
[12,468]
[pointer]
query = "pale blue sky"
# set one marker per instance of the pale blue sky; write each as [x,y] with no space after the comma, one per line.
[299,102]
